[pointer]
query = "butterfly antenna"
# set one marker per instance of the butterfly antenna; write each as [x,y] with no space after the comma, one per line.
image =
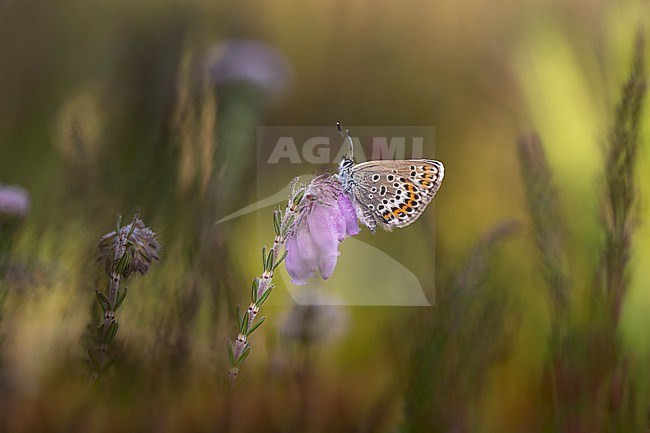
[346,137]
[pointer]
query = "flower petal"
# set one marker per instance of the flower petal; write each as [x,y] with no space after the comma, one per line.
[349,215]
[339,222]
[323,228]
[302,258]
[326,265]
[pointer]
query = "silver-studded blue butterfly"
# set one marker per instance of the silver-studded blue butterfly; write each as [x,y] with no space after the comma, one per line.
[391,193]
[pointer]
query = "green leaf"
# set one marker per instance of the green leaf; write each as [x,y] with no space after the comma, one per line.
[287,225]
[121,263]
[264,257]
[298,197]
[118,224]
[106,337]
[255,286]
[277,221]
[108,365]
[94,363]
[100,331]
[243,356]
[112,331]
[268,265]
[280,260]
[255,326]
[120,298]
[135,217]
[231,354]
[243,327]
[264,296]
[103,301]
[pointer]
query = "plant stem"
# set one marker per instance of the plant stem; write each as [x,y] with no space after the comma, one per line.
[262,286]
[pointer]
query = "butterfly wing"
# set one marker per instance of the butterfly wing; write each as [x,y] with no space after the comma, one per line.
[394,193]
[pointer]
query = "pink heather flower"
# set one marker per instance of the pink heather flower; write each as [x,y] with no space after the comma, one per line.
[325,217]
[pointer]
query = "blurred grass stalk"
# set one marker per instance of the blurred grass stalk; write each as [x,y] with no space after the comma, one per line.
[620,218]
[621,196]
[240,79]
[586,396]
[548,228]
[446,332]
[548,234]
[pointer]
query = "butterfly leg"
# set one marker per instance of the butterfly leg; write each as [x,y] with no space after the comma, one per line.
[365,216]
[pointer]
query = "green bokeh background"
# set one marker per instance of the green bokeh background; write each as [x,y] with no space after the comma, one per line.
[104,110]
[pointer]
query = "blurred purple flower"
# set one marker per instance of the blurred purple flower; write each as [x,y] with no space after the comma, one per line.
[14,201]
[325,217]
[250,61]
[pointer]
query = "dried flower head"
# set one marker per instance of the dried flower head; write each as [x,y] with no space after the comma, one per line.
[325,217]
[132,248]
[14,201]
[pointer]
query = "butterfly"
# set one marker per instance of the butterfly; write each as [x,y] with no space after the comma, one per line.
[389,193]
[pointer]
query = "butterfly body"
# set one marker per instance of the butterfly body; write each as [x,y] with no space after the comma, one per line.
[390,193]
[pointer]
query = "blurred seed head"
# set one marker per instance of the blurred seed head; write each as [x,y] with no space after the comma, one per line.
[133,248]
[14,202]
[317,318]
[548,226]
[80,124]
[194,125]
[252,62]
